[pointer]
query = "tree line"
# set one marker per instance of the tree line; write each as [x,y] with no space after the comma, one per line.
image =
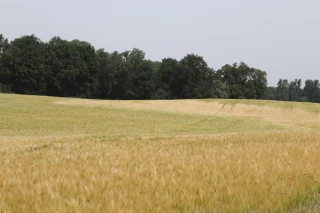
[293,91]
[76,69]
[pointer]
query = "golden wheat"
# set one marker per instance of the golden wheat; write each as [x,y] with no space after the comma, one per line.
[73,155]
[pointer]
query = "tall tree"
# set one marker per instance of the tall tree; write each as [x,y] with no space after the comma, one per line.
[122,80]
[233,79]
[133,76]
[23,63]
[5,83]
[62,70]
[243,81]
[270,93]
[109,64]
[282,91]
[142,74]
[4,44]
[312,90]
[169,85]
[196,77]
[88,85]
[71,69]
[295,91]
[220,89]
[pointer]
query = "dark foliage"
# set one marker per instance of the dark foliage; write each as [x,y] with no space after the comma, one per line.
[76,69]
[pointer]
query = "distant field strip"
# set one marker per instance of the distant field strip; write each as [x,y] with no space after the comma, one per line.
[76,155]
[22,117]
[300,114]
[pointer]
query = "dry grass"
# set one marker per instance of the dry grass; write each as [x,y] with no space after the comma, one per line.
[308,206]
[73,155]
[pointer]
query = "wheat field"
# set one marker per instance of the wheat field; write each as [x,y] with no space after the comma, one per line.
[77,155]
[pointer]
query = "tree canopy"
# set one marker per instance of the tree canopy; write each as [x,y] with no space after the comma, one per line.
[76,69]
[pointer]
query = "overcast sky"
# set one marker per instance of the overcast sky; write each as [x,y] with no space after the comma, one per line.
[281,37]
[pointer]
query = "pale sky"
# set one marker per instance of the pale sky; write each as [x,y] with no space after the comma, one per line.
[281,37]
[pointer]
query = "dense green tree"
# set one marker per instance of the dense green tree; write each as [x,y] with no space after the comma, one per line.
[60,66]
[312,90]
[23,66]
[122,84]
[303,99]
[4,44]
[87,80]
[243,81]
[220,89]
[196,78]
[133,77]
[169,85]
[155,65]
[71,69]
[5,82]
[75,69]
[255,81]
[142,75]
[109,65]
[282,90]
[120,75]
[143,81]
[231,77]
[270,93]
[103,60]
[295,91]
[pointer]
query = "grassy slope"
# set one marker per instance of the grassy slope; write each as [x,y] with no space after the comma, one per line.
[42,116]
[185,155]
